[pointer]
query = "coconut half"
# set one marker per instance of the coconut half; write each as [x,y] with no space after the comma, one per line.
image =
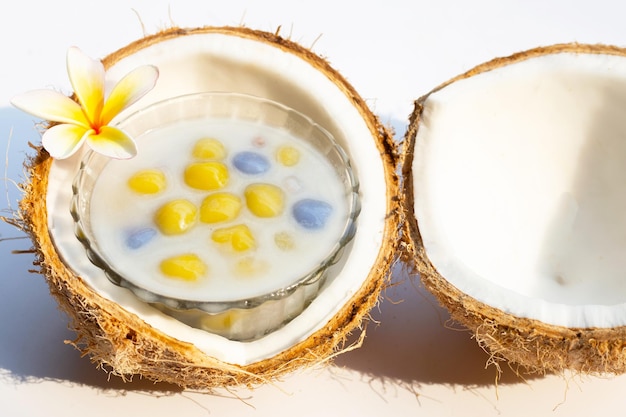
[515,194]
[129,337]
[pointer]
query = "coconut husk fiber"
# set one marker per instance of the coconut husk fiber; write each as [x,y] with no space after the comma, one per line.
[528,345]
[119,341]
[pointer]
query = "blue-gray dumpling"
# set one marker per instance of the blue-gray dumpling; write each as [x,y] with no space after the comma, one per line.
[251,163]
[311,214]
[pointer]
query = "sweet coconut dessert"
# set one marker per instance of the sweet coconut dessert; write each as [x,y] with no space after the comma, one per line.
[514,196]
[235,157]
[212,207]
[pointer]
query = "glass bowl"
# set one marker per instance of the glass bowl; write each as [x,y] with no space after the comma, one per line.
[238,285]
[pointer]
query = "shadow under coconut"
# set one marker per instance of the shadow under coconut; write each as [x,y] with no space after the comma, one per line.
[412,341]
[32,346]
[33,333]
[32,329]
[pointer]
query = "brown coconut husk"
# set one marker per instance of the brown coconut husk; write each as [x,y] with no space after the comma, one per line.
[122,343]
[529,345]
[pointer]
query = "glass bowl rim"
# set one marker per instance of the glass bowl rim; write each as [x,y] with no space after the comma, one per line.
[211,306]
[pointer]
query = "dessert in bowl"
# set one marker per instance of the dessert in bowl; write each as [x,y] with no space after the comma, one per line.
[229,218]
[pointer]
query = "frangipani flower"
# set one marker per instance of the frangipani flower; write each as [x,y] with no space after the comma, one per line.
[87,121]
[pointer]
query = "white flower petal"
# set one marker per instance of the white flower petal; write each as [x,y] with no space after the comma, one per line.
[62,141]
[87,78]
[112,142]
[50,105]
[128,90]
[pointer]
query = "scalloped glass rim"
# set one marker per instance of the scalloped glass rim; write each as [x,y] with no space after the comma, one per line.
[221,104]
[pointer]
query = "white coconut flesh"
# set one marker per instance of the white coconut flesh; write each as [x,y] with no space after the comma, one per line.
[221,62]
[520,188]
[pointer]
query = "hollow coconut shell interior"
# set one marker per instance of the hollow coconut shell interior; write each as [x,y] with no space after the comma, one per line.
[513,194]
[128,337]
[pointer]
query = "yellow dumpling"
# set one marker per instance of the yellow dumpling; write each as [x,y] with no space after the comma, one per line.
[288,156]
[264,200]
[248,267]
[220,321]
[147,181]
[209,148]
[220,207]
[206,176]
[176,217]
[239,237]
[284,241]
[187,267]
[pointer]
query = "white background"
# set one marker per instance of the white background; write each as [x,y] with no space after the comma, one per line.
[392,51]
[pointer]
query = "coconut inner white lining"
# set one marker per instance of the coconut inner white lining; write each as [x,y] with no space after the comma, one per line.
[215,62]
[520,188]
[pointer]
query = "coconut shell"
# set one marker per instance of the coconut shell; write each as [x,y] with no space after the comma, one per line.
[528,345]
[119,341]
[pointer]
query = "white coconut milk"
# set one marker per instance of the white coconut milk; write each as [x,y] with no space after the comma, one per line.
[285,247]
